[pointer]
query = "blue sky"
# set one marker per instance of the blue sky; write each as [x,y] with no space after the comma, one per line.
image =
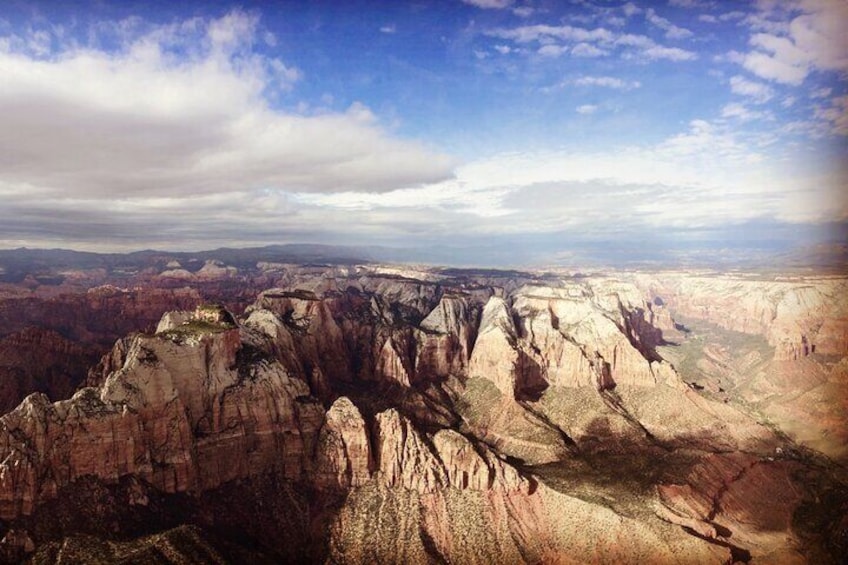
[516,124]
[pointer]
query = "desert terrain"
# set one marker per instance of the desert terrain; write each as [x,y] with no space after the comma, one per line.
[343,412]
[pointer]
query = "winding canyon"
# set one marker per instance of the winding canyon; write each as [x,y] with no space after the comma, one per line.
[359,413]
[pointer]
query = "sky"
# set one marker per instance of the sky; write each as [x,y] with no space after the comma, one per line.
[542,130]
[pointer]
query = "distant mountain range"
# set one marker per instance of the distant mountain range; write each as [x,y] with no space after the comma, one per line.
[15,264]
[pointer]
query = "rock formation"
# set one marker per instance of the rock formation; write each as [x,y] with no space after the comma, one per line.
[343,456]
[797,317]
[354,416]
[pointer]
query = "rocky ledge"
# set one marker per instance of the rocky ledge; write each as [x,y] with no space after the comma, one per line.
[371,417]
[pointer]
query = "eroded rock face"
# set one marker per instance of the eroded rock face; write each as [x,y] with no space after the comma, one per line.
[475,466]
[495,356]
[605,347]
[51,337]
[343,457]
[406,459]
[796,317]
[180,414]
[774,342]
[426,408]
[41,360]
[725,495]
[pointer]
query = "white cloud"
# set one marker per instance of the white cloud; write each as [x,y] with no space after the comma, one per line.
[671,31]
[731,56]
[587,50]
[630,9]
[648,49]
[758,92]
[527,34]
[740,112]
[199,145]
[390,28]
[835,115]
[708,18]
[668,53]
[705,176]
[489,4]
[523,11]
[814,40]
[823,92]
[773,68]
[691,3]
[607,82]
[552,50]
[733,15]
[592,42]
[821,33]
[181,109]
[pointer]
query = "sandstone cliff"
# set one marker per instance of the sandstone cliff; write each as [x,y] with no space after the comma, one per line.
[797,317]
[400,420]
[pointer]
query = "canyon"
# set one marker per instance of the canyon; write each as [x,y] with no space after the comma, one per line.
[350,412]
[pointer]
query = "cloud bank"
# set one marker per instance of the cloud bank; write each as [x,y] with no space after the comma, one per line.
[180,110]
[194,133]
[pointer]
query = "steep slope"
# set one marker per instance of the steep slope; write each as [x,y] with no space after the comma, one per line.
[776,346]
[39,360]
[366,417]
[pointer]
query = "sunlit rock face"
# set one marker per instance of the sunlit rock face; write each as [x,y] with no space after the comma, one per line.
[778,344]
[180,414]
[343,456]
[797,316]
[359,416]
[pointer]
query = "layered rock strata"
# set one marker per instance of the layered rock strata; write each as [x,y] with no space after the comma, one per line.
[416,411]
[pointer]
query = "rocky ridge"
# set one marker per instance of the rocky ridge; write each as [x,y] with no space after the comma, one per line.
[797,317]
[422,406]
[777,344]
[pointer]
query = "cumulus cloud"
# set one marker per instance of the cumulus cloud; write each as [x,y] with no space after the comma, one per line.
[607,82]
[732,15]
[814,40]
[691,3]
[756,91]
[823,92]
[169,135]
[630,9]
[531,33]
[489,4]
[552,50]
[671,31]
[588,50]
[591,42]
[182,109]
[707,175]
[741,112]
[648,49]
[835,116]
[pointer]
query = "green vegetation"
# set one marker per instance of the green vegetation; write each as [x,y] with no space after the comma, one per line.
[709,354]
[299,294]
[195,328]
[622,482]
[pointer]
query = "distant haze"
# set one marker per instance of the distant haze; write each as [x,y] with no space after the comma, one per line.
[513,132]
